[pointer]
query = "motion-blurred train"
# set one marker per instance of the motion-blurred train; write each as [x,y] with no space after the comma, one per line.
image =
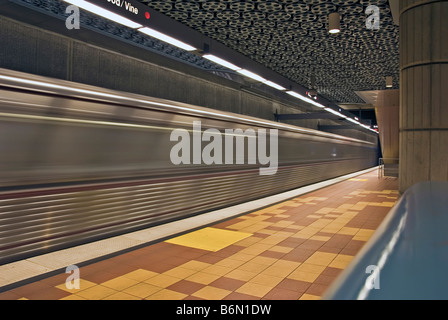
[80,163]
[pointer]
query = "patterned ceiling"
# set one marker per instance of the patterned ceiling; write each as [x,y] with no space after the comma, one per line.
[290,37]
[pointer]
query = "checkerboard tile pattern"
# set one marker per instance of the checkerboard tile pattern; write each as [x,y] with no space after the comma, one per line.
[292,250]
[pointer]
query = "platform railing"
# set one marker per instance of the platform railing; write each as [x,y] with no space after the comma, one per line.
[388,167]
[407,257]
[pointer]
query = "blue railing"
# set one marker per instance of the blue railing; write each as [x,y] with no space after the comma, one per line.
[407,257]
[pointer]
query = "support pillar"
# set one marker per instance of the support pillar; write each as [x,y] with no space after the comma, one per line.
[423,92]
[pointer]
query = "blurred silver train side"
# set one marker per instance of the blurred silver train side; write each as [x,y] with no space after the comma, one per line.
[80,163]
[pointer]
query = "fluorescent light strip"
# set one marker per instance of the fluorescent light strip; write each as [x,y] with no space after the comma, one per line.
[335,112]
[165,38]
[104,13]
[251,75]
[299,96]
[274,85]
[221,62]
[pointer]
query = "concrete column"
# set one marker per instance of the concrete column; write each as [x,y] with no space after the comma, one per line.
[424,92]
[387,114]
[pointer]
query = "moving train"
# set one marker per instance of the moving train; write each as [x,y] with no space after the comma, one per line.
[80,163]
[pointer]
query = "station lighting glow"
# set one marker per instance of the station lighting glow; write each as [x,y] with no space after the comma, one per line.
[221,62]
[104,13]
[274,85]
[252,75]
[336,113]
[165,38]
[299,96]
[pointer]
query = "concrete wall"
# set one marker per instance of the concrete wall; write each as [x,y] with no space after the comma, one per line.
[114,65]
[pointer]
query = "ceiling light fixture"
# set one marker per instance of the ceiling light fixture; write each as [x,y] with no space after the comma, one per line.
[274,85]
[334,23]
[221,62]
[165,38]
[252,75]
[389,82]
[299,96]
[104,13]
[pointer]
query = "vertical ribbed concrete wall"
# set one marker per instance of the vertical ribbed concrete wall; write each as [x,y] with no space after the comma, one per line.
[424,92]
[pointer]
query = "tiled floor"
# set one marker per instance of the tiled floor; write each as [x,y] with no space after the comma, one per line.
[289,251]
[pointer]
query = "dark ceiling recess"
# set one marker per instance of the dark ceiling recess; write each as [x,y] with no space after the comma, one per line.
[291,38]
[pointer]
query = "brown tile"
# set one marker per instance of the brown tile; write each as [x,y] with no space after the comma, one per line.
[227,283]
[282,294]
[298,254]
[98,277]
[185,286]
[317,289]
[294,285]
[192,298]
[48,294]
[325,279]
[332,272]
[272,254]
[9,295]
[210,258]
[311,245]
[240,296]
[30,289]
[228,251]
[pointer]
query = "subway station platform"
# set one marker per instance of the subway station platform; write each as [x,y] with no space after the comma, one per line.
[285,251]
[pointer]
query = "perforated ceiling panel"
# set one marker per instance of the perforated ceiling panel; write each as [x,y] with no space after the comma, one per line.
[291,38]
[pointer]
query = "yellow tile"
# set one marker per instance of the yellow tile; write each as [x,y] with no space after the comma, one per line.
[320,258]
[324,210]
[142,290]
[365,232]
[83,284]
[242,275]
[230,263]
[281,249]
[248,241]
[256,249]
[217,270]
[266,261]
[266,280]
[303,276]
[203,278]
[280,270]
[348,231]
[254,289]
[195,265]
[179,272]
[119,283]
[312,268]
[162,280]
[252,267]
[320,238]
[361,238]
[121,296]
[211,293]
[307,296]
[73,297]
[242,256]
[341,261]
[140,275]
[166,294]
[210,239]
[97,292]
